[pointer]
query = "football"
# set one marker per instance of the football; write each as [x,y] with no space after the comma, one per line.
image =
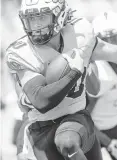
[57,69]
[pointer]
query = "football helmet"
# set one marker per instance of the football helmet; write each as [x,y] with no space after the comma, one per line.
[55,14]
[105,26]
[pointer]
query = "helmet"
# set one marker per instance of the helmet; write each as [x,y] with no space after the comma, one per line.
[32,11]
[105,26]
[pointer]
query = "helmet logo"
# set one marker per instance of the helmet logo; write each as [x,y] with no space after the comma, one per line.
[58,3]
[31,2]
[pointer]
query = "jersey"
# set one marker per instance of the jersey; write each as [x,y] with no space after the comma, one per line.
[24,56]
[108,101]
[105,26]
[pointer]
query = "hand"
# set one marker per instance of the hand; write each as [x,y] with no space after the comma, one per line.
[112,148]
[74,60]
[86,39]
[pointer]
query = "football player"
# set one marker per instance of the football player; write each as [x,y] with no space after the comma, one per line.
[57,126]
[106,26]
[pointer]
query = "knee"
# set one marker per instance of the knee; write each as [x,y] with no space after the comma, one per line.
[67,142]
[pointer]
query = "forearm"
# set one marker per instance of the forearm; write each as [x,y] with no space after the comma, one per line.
[104,139]
[46,97]
[92,80]
[92,102]
[105,51]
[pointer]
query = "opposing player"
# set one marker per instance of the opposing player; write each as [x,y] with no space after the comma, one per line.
[106,26]
[57,125]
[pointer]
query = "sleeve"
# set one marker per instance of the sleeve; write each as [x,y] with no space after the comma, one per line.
[45,97]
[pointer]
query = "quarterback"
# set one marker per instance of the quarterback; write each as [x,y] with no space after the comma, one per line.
[57,125]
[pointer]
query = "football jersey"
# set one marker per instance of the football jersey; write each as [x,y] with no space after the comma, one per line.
[22,55]
[104,113]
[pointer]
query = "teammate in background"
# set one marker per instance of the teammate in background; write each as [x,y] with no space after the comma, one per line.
[104,108]
[57,126]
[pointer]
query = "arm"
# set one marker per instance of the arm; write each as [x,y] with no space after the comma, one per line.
[105,51]
[92,86]
[92,80]
[45,97]
[107,142]
[91,103]
[86,40]
[104,139]
[41,95]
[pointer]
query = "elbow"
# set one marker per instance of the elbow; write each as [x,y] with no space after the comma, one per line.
[44,106]
[43,110]
[47,105]
[42,102]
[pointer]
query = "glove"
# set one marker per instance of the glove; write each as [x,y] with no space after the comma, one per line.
[86,39]
[74,60]
[112,148]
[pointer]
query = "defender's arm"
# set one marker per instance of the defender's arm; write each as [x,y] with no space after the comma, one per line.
[105,51]
[104,139]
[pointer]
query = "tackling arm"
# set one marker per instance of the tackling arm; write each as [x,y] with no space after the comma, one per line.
[105,51]
[104,139]
[92,80]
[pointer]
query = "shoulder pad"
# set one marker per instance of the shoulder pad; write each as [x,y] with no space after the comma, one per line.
[12,59]
[12,62]
[20,56]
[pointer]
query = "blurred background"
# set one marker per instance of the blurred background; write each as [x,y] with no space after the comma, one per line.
[11,29]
